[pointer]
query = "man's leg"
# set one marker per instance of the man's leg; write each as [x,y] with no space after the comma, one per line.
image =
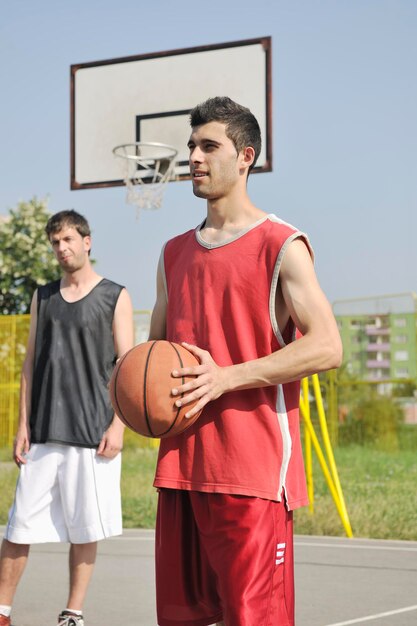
[13,559]
[249,541]
[82,558]
[185,583]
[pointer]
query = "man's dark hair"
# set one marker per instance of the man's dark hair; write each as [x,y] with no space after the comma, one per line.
[71,219]
[241,125]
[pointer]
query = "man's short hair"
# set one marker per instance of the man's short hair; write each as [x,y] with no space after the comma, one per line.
[241,125]
[70,219]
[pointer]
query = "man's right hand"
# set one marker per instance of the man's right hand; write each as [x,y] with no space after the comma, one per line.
[21,445]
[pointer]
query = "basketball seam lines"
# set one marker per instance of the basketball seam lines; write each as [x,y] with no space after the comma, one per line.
[145,406]
[183,380]
[119,412]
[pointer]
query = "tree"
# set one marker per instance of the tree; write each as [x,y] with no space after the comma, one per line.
[379,419]
[404,390]
[26,258]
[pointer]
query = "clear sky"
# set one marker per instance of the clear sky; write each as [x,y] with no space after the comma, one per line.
[344,120]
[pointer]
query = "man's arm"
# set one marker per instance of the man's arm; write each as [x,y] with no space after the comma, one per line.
[319,348]
[123,332]
[22,440]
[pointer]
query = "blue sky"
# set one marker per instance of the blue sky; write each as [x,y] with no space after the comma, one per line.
[344,121]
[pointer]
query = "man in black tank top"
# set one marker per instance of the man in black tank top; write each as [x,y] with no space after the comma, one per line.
[69,440]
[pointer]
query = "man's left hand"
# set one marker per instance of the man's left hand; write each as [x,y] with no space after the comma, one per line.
[208,383]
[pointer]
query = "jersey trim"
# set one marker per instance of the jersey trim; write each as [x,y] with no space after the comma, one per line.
[220,244]
[286,439]
[272,296]
[161,264]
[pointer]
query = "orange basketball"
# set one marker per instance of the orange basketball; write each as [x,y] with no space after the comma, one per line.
[141,384]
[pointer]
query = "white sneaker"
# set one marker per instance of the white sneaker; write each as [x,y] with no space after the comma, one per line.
[69,619]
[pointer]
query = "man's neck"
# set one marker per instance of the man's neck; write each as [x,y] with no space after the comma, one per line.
[226,218]
[75,285]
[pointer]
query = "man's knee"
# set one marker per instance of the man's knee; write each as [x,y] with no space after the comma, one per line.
[9,549]
[85,552]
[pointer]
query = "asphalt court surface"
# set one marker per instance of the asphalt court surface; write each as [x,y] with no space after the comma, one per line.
[339,582]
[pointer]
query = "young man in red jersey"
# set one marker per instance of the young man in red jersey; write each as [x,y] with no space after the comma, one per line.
[236,289]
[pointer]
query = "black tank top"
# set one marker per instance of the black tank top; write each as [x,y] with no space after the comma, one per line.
[74,359]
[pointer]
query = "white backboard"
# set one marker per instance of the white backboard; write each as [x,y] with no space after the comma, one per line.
[148,98]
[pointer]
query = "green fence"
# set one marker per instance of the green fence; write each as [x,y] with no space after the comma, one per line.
[14,330]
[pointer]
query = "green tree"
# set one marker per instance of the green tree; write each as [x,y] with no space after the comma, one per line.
[404,390]
[379,419]
[26,259]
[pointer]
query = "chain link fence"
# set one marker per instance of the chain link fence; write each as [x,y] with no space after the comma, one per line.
[14,330]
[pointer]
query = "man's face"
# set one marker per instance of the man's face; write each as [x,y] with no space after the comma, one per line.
[214,162]
[70,248]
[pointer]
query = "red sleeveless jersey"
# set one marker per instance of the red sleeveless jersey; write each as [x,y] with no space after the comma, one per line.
[221,297]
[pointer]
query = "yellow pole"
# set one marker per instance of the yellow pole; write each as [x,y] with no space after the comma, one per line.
[332,421]
[307,441]
[12,381]
[328,446]
[326,472]
[325,433]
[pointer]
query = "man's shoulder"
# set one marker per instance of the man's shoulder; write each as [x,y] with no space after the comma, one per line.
[107,288]
[44,291]
[106,282]
[283,233]
[182,237]
[277,224]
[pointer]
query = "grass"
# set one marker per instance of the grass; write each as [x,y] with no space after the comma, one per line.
[380,494]
[379,489]
[138,496]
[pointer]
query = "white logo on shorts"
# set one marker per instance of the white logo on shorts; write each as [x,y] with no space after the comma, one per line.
[280,553]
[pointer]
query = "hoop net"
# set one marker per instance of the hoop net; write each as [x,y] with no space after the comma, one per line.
[146,168]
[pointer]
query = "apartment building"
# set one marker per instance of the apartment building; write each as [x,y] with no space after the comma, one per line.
[379,336]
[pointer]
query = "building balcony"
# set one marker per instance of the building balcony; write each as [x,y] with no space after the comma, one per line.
[380,364]
[374,331]
[378,347]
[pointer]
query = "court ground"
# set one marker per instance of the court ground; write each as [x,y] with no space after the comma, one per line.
[339,582]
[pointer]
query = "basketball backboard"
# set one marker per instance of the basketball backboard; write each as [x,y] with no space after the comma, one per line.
[148,98]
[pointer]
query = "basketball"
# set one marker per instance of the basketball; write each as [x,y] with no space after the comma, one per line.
[141,384]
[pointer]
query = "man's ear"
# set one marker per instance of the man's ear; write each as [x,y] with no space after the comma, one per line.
[248,157]
[87,243]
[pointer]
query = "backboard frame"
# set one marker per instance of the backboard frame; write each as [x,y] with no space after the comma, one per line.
[143,118]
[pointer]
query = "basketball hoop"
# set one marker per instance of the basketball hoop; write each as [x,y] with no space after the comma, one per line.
[147,168]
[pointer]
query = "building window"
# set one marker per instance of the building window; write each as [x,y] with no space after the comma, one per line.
[400,339]
[400,322]
[401,355]
[401,372]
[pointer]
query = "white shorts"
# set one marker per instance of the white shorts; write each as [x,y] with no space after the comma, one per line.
[66,493]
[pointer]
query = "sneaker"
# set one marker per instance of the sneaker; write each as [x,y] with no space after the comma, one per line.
[5,621]
[66,619]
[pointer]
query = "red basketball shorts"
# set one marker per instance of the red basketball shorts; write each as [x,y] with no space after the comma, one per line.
[223,557]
